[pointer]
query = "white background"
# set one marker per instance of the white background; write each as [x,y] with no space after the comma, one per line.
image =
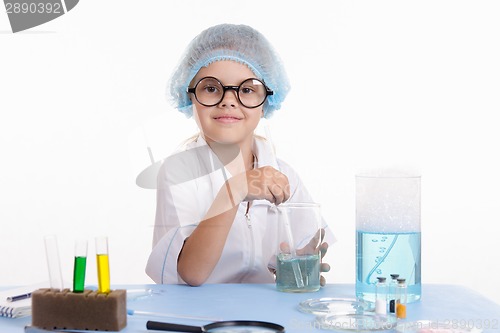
[374,83]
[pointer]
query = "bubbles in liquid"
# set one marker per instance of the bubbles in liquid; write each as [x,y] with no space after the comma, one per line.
[400,253]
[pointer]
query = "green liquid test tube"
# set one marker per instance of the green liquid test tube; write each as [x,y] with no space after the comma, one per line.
[80,266]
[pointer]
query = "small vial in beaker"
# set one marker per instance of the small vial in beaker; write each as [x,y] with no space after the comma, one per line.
[381,296]
[80,265]
[101,247]
[401,299]
[392,293]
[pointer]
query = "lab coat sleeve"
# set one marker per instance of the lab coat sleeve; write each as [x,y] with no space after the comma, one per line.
[177,215]
[162,262]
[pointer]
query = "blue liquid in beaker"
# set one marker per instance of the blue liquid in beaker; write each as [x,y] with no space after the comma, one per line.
[309,267]
[383,254]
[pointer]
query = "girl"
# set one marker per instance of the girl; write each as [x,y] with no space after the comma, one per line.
[215,198]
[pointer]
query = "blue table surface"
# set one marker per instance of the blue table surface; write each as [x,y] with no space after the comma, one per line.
[443,303]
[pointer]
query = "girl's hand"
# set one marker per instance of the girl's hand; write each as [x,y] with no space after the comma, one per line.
[324,267]
[262,183]
[322,248]
[312,248]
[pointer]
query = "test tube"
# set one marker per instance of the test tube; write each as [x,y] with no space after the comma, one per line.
[392,293]
[53,262]
[80,266]
[381,296]
[299,280]
[401,299]
[101,247]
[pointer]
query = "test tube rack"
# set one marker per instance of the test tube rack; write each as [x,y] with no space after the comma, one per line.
[90,310]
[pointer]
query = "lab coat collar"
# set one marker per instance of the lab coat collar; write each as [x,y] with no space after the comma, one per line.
[264,152]
[261,148]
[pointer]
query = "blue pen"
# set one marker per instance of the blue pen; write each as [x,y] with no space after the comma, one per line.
[18,297]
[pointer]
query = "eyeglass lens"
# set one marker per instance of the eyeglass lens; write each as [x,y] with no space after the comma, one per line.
[251,92]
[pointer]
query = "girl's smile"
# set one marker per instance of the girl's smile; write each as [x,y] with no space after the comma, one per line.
[227,118]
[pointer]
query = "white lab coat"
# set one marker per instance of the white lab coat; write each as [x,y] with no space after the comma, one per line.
[187,186]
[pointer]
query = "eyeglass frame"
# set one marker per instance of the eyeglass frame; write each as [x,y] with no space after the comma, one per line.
[192,90]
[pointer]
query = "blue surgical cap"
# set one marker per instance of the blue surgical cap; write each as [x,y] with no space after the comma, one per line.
[239,43]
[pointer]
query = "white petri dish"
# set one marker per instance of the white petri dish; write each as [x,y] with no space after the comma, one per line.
[338,306]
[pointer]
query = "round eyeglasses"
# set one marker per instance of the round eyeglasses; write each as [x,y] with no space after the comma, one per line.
[251,93]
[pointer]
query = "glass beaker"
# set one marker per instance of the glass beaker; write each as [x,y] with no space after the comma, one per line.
[299,257]
[388,234]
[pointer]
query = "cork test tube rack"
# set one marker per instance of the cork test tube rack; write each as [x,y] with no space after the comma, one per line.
[90,310]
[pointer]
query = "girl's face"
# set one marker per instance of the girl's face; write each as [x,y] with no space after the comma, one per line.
[228,122]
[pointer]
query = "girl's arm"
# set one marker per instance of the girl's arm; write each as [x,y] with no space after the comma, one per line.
[203,248]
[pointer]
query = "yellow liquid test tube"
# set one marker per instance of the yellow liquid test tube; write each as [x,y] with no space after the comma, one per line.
[103,278]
